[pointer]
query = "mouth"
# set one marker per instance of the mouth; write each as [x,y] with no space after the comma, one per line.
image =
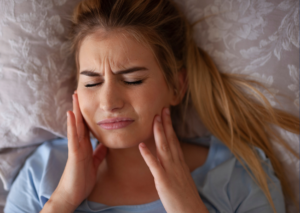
[115,123]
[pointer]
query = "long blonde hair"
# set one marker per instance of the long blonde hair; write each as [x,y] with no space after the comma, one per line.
[229,105]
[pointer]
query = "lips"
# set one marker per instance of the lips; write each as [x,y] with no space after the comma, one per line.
[115,123]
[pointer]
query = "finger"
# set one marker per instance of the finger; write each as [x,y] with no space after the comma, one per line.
[171,136]
[81,126]
[154,165]
[99,154]
[162,146]
[73,144]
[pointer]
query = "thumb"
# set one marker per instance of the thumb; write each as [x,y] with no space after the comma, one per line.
[99,154]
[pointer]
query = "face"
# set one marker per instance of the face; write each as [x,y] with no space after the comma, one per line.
[120,78]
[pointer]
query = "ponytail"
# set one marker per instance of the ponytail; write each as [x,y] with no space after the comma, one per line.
[237,113]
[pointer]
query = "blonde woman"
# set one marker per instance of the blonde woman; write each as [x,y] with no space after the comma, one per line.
[136,62]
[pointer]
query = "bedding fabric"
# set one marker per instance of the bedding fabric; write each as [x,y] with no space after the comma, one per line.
[255,37]
[36,78]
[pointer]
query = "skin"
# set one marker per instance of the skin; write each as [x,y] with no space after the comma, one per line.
[142,162]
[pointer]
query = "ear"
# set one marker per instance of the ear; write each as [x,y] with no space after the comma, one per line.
[181,89]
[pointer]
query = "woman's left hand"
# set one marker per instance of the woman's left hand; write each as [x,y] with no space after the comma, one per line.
[173,181]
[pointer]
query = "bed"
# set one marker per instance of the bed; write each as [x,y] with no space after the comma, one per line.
[37,74]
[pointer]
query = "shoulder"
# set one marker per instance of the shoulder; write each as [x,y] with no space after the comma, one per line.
[38,177]
[51,153]
[48,153]
[50,156]
[230,187]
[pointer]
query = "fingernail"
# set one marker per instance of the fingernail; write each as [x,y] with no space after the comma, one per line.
[167,111]
[158,119]
[67,114]
[142,145]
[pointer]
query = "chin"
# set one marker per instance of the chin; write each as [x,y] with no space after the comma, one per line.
[120,144]
[122,141]
[117,141]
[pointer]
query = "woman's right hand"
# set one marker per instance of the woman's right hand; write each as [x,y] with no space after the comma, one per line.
[80,173]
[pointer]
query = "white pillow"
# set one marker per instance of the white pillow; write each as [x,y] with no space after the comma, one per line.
[37,79]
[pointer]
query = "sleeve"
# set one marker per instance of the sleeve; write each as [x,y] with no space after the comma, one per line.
[38,178]
[23,195]
[229,188]
[250,197]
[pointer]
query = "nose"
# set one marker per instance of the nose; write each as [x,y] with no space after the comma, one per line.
[111,97]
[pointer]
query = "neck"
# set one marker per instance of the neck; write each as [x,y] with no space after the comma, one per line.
[127,166]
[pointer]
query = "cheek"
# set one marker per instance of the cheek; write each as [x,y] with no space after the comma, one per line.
[86,106]
[151,101]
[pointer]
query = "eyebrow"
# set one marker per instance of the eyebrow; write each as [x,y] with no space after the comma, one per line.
[130,70]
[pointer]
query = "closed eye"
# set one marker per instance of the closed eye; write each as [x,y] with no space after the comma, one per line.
[126,82]
[134,82]
[92,85]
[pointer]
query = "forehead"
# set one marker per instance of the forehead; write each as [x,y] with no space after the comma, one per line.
[118,48]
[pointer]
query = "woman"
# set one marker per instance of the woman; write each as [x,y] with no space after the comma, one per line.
[136,60]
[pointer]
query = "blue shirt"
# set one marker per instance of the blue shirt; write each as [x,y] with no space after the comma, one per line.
[222,182]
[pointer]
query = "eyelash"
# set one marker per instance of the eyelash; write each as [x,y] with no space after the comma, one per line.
[126,82]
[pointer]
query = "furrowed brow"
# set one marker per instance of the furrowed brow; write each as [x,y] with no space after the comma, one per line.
[120,72]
